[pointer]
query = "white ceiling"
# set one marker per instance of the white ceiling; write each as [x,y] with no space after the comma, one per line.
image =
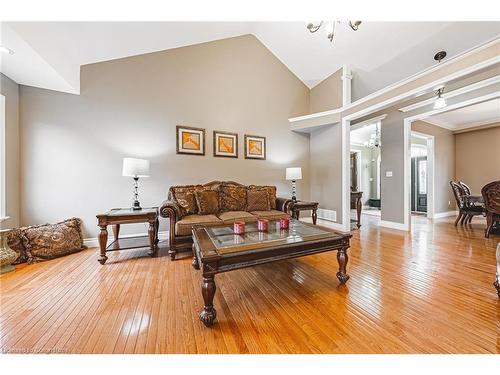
[49,54]
[362,134]
[480,114]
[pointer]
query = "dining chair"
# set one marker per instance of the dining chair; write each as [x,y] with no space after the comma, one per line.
[466,187]
[491,196]
[465,212]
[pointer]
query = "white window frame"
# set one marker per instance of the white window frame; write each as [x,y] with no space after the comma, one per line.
[2,158]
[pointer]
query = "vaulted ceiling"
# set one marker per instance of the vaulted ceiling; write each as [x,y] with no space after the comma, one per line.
[49,54]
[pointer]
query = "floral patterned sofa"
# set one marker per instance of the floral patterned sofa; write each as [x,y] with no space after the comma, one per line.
[215,203]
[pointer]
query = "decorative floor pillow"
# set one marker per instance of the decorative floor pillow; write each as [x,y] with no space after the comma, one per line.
[15,242]
[50,241]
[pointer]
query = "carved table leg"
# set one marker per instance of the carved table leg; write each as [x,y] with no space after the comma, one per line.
[157,229]
[314,216]
[342,259]
[152,237]
[497,281]
[358,211]
[103,241]
[195,263]
[208,314]
[297,214]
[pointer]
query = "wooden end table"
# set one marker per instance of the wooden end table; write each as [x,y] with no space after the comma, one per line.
[298,206]
[119,216]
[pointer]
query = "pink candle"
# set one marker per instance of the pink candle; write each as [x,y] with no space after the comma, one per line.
[284,223]
[239,227]
[262,225]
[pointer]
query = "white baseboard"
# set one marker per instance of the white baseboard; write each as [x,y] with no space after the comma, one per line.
[94,242]
[328,215]
[444,214]
[393,225]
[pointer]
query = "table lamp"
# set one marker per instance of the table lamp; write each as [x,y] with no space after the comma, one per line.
[135,168]
[294,174]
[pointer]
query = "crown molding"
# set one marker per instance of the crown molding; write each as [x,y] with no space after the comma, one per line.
[448,95]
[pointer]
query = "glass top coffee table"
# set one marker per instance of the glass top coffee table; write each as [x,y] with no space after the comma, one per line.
[217,249]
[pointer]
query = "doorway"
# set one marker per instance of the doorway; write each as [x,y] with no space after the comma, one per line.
[419,175]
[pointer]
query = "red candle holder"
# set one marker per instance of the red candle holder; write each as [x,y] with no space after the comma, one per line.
[284,223]
[262,225]
[239,227]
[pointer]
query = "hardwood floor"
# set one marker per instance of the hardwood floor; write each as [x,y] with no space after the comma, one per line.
[426,292]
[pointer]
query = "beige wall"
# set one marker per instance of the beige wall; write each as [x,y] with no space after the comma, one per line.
[10,90]
[72,146]
[327,94]
[326,169]
[444,164]
[478,157]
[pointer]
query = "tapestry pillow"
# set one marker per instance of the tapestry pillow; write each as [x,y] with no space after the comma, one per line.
[233,198]
[271,192]
[15,242]
[258,200]
[207,201]
[53,240]
[184,196]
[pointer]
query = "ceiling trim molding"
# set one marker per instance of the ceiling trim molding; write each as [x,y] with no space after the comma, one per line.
[448,95]
[426,71]
[369,121]
[301,121]
[478,126]
[425,116]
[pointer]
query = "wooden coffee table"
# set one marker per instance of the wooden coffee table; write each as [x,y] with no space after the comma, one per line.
[217,249]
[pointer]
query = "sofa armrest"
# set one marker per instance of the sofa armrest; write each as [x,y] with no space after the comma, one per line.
[283,204]
[171,210]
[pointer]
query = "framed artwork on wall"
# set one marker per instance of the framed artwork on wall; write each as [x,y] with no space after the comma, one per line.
[255,147]
[225,144]
[190,140]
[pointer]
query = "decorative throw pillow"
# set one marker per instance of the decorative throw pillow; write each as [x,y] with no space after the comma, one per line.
[233,198]
[208,201]
[271,192]
[15,242]
[184,196]
[53,240]
[258,200]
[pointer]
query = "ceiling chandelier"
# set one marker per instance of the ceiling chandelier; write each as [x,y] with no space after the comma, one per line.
[330,27]
[374,141]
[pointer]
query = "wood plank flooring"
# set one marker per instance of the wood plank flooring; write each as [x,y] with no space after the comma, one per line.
[426,292]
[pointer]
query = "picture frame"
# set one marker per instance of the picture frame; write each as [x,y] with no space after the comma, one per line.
[190,140]
[225,144]
[255,147]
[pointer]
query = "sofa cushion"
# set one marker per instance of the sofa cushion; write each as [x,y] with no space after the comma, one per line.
[207,201]
[269,214]
[15,242]
[271,191]
[230,217]
[183,227]
[257,200]
[53,240]
[233,198]
[185,197]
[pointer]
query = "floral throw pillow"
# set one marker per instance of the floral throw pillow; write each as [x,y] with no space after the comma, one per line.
[53,240]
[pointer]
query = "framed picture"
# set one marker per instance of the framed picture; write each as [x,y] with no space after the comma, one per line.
[190,141]
[255,147]
[225,144]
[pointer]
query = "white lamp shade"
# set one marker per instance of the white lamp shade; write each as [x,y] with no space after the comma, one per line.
[135,167]
[294,173]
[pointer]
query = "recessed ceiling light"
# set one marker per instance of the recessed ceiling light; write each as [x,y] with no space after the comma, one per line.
[6,50]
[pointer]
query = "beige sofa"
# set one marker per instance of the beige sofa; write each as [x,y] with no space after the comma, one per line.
[195,205]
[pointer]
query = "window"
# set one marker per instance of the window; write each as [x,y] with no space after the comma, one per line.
[2,157]
[422,177]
